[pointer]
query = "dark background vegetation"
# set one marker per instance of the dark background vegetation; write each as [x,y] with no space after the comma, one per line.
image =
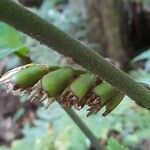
[116,29]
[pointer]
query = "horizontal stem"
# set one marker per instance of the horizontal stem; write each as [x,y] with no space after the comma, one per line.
[38,28]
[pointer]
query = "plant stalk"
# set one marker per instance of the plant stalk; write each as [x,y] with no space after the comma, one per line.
[94,141]
[43,31]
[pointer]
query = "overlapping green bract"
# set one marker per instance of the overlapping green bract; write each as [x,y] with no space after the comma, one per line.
[72,87]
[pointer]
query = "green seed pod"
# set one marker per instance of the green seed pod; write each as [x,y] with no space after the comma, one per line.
[105,91]
[77,91]
[30,75]
[55,82]
[113,103]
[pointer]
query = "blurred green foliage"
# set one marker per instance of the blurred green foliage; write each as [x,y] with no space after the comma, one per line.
[143,56]
[53,129]
[9,37]
[114,145]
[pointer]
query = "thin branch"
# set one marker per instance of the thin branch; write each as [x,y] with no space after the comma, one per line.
[36,27]
[84,129]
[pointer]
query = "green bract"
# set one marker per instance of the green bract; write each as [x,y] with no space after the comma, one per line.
[113,103]
[75,93]
[105,91]
[82,85]
[29,76]
[56,81]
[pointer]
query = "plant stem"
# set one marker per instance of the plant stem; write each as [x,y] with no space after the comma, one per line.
[94,141]
[36,27]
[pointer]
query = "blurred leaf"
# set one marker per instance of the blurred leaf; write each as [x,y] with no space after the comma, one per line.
[73,138]
[25,144]
[9,37]
[18,114]
[44,55]
[141,75]
[7,51]
[114,145]
[3,148]
[143,56]
[23,51]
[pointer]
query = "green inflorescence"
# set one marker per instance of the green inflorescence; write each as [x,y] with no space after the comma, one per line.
[71,86]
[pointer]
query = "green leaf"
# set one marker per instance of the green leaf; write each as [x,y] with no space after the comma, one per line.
[7,51]
[23,51]
[9,37]
[114,145]
[10,41]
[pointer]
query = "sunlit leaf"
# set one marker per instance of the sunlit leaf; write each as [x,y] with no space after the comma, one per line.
[7,51]
[9,37]
[114,145]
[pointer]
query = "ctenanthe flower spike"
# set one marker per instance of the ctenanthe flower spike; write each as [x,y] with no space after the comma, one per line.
[99,96]
[75,93]
[23,78]
[31,75]
[71,86]
[6,78]
[113,103]
[105,91]
[55,82]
